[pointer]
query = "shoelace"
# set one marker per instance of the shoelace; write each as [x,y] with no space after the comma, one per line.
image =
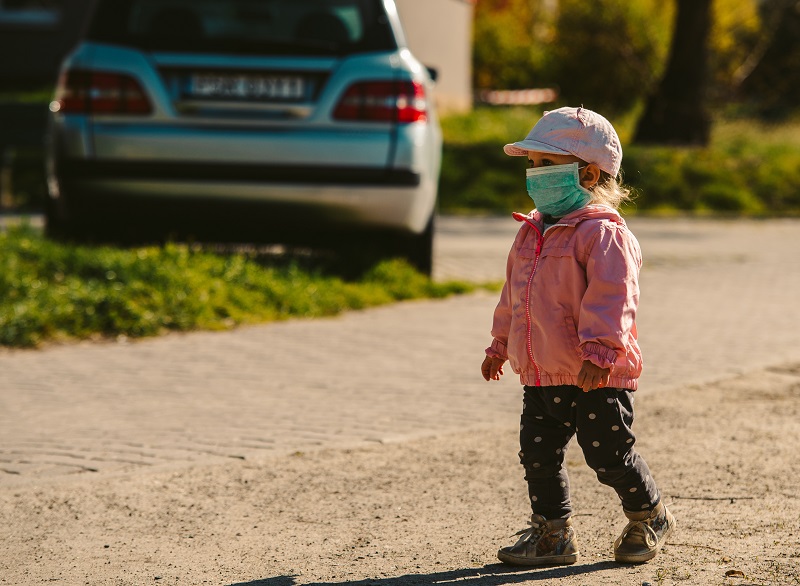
[535,530]
[649,535]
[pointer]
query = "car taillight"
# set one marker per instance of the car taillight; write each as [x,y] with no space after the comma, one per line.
[97,92]
[383,101]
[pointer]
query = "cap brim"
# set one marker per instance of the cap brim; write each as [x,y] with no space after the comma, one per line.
[521,148]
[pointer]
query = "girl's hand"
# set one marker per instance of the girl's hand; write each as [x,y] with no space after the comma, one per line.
[592,376]
[492,368]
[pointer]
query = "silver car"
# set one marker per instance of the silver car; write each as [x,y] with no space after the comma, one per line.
[303,122]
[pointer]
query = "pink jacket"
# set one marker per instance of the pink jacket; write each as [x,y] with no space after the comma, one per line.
[570,295]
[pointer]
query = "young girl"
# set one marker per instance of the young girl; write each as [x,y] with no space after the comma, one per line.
[566,323]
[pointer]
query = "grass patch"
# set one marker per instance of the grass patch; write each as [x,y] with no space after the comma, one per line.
[33,95]
[750,167]
[51,292]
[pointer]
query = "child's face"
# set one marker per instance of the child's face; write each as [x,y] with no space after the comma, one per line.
[589,173]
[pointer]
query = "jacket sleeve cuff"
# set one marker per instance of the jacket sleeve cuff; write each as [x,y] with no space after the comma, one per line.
[599,355]
[497,350]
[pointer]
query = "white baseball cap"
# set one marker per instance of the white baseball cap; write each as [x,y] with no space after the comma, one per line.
[573,131]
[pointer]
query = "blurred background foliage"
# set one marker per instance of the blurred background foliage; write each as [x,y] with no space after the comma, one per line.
[610,54]
[750,167]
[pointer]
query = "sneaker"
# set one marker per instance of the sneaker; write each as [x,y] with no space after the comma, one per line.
[545,542]
[644,535]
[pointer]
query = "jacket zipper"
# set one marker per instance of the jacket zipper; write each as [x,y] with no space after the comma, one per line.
[539,242]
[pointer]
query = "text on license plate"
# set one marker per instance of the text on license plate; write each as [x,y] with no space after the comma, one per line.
[247,87]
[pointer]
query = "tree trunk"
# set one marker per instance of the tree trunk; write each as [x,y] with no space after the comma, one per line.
[676,113]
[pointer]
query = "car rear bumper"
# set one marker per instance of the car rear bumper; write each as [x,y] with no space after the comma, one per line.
[338,197]
[82,170]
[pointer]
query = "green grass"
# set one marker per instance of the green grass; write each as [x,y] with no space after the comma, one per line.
[52,292]
[37,95]
[750,168]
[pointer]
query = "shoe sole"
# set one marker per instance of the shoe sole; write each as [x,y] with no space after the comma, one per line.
[551,560]
[644,557]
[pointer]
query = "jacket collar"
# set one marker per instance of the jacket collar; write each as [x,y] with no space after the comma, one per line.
[591,211]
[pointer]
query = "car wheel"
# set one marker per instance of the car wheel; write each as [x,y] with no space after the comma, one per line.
[63,223]
[419,249]
[56,221]
[356,253]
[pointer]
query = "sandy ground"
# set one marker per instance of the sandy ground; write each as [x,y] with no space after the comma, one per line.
[431,511]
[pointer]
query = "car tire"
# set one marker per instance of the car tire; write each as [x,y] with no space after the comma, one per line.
[418,249]
[56,221]
[359,252]
[63,224]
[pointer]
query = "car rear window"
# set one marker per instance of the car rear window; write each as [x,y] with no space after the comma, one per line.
[258,27]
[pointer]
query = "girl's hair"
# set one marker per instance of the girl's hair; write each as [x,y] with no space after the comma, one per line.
[611,191]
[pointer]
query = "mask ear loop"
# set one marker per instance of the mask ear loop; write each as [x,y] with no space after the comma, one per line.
[579,177]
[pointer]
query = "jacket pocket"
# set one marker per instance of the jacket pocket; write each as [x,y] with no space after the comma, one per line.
[572,334]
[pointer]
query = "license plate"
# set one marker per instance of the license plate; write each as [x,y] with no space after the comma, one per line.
[247,87]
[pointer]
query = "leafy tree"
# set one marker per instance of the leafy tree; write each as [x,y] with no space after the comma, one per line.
[511,42]
[613,55]
[602,54]
[609,54]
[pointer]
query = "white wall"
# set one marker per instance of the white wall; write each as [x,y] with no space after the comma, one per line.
[439,33]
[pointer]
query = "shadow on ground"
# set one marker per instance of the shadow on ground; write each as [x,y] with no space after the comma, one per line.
[490,575]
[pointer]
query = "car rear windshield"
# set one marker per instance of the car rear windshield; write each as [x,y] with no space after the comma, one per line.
[257,27]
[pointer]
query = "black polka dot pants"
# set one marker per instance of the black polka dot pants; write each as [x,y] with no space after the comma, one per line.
[602,420]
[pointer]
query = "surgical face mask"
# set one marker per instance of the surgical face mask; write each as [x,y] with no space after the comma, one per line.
[556,190]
